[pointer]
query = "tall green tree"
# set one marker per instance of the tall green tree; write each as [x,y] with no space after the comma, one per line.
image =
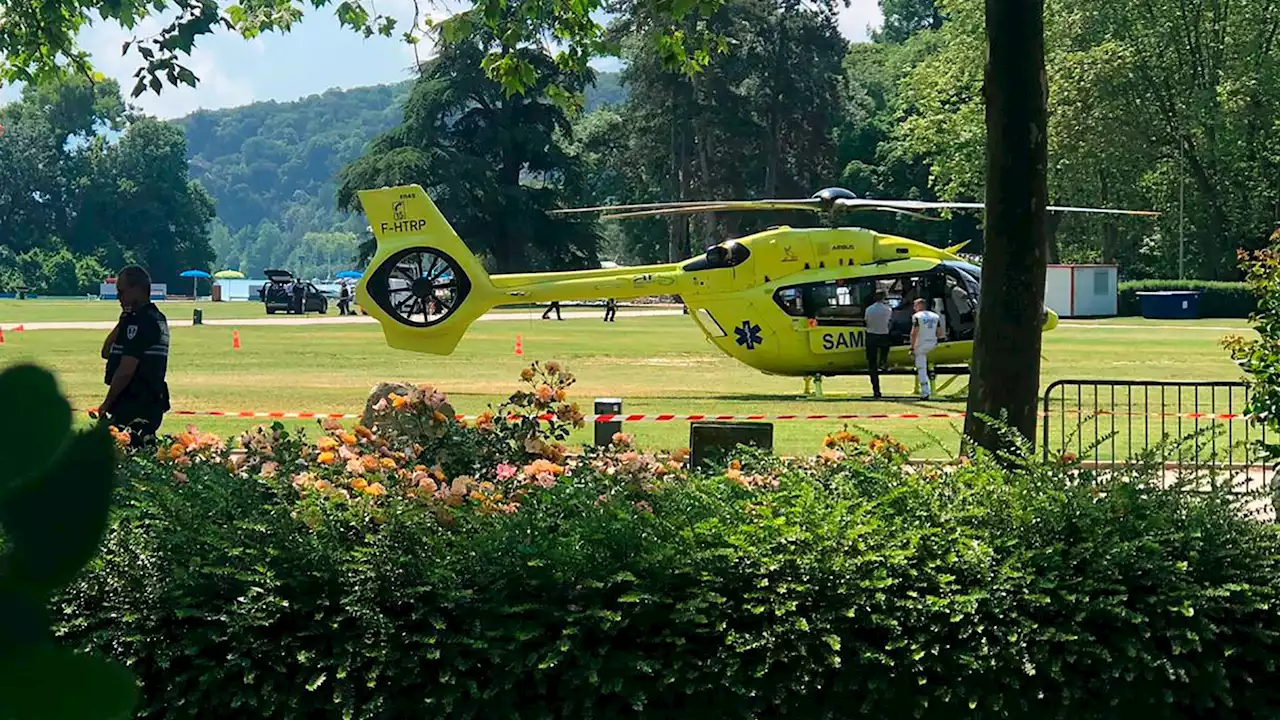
[1006,359]
[490,159]
[759,121]
[904,18]
[75,200]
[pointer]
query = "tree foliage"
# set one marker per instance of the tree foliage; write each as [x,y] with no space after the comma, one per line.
[757,121]
[1144,97]
[38,41]
[492,160]
[87,185]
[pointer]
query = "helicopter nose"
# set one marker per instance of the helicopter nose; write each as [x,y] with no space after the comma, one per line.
[1048,320]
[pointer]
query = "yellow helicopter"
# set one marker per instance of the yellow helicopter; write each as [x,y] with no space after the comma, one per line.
[786,301]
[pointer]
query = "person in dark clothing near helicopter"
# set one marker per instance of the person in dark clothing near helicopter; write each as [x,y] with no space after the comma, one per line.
[610,310]
[877,318]
[299,297]
[344,299]
[555,305]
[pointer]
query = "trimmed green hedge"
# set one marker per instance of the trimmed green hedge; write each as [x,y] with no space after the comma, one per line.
[624,586]
[1217,299]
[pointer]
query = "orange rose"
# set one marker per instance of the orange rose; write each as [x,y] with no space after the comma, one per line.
[326,458]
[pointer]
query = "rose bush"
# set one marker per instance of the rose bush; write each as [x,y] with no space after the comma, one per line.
[426,567]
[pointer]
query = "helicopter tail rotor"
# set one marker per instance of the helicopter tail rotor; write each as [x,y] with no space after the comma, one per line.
[423,285]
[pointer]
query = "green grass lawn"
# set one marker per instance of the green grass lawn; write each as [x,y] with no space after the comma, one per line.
[656,364]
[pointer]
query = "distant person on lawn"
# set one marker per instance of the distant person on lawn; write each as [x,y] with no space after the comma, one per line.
[137,355]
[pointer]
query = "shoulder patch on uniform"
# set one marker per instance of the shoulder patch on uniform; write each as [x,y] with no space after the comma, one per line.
[132,332]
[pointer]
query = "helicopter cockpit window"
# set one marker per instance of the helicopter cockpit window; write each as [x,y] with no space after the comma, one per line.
[725,255]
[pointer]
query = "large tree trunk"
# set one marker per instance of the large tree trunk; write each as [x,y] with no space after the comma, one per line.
[1006,358]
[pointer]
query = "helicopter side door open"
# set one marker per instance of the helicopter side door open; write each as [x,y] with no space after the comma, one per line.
[841,303]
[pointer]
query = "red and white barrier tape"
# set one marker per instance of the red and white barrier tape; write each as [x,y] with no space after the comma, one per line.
[696,418]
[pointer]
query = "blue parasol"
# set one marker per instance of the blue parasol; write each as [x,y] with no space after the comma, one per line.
[349,274]
[195,276]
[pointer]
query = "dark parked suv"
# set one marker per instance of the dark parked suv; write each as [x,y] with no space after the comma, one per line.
[277,294]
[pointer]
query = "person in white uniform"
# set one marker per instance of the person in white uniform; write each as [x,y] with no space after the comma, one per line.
[926,331]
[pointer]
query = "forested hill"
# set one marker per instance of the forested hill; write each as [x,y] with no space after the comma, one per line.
[271,168]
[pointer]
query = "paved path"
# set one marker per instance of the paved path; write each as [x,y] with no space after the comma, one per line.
[1135,326]
[532,314]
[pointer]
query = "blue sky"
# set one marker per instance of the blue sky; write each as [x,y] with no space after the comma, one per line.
[317,55]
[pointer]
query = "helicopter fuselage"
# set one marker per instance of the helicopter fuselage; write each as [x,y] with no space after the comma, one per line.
[786,301]
[789,301]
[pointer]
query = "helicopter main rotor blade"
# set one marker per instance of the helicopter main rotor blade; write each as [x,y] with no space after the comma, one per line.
[860,203]
[744,206]
[680,205]
[760,206]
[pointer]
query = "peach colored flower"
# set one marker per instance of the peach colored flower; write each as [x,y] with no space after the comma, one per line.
[326,443]
[526,374]
[330,424]
[544,393]
[364,432]
[355,467]
[323,485]
[460,485]
[388,463]
[359,484]
[346,453]
[680,455]
[269,469]
[375,489]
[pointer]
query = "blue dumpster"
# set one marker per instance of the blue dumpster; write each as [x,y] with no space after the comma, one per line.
[1170,304]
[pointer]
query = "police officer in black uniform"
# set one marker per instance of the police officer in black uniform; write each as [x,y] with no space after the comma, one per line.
[137,355]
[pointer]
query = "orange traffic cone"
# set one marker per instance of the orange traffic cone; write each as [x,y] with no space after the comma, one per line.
[2,340]
[519,345]
[20,328]
[235,339]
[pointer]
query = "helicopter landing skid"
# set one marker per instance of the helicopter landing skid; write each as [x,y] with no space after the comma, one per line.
[813,383]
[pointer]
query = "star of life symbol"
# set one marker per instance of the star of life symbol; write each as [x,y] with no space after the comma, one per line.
[748,335]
